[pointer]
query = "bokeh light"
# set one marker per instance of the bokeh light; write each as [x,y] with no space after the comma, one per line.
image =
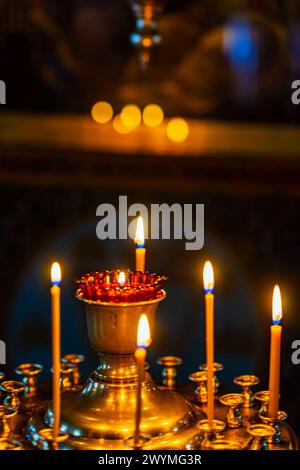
[119,126]
[102,112]
[177,129]
[131,116]
[153,115]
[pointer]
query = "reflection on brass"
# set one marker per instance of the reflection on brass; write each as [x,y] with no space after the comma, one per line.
[74,359]
[263,398]
[201,391]
[29,373]
[6,415]
[246,382]
[218,367]
[224,444]
[13,389]
[276,424]
[169,372]
[233,401]
[261,433]
[46,439]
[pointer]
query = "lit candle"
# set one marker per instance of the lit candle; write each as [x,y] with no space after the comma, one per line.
[208,281]
[121,278]
[143,341]
[139,240]
[55,302]
[274,373]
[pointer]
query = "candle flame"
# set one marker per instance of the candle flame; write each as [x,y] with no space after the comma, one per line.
[139,238]
[143,335]
[55,273]
[208,277]
[121,278]
[276,305]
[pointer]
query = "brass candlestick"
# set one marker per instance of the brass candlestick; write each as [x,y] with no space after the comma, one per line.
[75,360]
[276,423]
[200,378]
[6,416]
[29,373]
[261,434]
[102,414]
[13,389]
[210,433]
[169,372]
[218,367]
[233,401]
[47,441]
[247,382]
[263,397]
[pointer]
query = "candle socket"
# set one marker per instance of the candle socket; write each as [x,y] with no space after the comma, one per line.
[7,415]
[29,373]
[276,423]
[200,378]
[247,382]
[10,444]
[262,434]
[218,367]
[169,372]
[263,397]
[46,440]
[13,389]
[210,432]
[75,360]
[233,401]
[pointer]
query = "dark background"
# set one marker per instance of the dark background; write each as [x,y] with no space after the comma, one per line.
[64,56]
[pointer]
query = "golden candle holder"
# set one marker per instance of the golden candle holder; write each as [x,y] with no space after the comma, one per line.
[200,378]
[233,401]
[29,373]
[13,389]
[218,367]
[263,397]
[210,432]
[101,414]
[276,423]
[247,382]
[75,360]
[261,433]
[169,372]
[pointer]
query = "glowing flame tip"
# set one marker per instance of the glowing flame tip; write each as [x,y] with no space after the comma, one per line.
[55,273]
[143,335]
[276,305]
[208,277]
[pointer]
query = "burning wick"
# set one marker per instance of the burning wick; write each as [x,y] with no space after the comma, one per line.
[143,341]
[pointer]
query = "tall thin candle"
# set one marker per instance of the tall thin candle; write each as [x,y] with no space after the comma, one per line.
[208,281]
[56,355]
[274,373]
[143,341]
[140,250]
